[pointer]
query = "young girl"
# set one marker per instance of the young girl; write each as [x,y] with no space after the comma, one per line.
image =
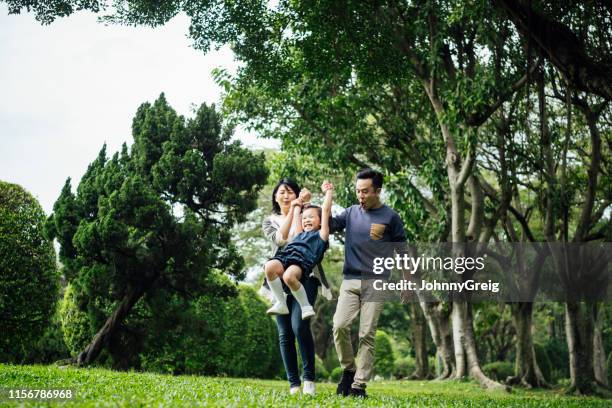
[295,261]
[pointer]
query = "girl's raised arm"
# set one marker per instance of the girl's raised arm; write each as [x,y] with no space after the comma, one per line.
[326,211]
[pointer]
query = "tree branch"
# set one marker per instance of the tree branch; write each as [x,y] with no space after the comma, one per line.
[481,117]
[557,43]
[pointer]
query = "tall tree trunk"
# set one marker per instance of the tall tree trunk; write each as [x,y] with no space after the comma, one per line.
[419,343]
[528,372]
[580,332]
[599,354]
[458,170]
[439,327]
[463,336]
[100,340]
[459,328]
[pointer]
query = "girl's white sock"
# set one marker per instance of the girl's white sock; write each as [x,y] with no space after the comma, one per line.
[300,296]
[276,287]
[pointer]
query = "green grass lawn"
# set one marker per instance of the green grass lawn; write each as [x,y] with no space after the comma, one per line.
[105,388]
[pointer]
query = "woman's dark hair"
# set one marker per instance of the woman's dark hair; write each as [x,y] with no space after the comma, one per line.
[283,182]
[374,175]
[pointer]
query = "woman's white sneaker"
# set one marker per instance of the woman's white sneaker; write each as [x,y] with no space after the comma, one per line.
[279,308]
[294,390]
[307,311]
[309,388]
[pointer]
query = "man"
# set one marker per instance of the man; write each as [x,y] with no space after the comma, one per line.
[370,221]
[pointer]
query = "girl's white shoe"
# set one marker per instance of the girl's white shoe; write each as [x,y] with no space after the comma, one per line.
[294,390]
[279,308]
[307,312]
[309,388]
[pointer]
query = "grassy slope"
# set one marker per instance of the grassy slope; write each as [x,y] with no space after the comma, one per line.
[99,387]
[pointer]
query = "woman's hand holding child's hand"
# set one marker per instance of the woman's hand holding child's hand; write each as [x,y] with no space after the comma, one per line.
[297,202]
[305,195]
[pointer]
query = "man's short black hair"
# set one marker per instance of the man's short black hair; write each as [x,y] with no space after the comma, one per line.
[375,175]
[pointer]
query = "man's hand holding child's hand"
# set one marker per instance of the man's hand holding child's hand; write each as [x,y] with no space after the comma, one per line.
[326,186]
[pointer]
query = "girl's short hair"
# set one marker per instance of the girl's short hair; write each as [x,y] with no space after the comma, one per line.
[309,206]
[283,182]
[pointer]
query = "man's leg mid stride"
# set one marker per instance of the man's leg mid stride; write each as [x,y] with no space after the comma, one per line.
[348,307]
[368,321]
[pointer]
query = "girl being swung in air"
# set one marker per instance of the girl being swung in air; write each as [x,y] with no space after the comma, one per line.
[295,261]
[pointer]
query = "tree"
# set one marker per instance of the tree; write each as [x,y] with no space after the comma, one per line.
[29,279]
[155,220]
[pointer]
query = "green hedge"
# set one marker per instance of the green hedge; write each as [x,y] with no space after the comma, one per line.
[335,374]
[210,335]
[609,369]
[75,323]
[29,280]
[404,366]
[543,361]
[499,370]
[321,373]
[384,355]
[233,337]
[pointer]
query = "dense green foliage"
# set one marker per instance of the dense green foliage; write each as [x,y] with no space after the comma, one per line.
[335,374]
[384,356]
[499,370]
[29,280]
[321,373]
[149,229]
[541,353]
[97,387]
[404,367]
[76,327]
[231,337]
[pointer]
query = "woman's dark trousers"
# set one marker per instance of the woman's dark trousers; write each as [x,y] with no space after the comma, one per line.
[292,327]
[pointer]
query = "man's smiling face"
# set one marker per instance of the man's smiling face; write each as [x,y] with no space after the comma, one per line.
[367,195]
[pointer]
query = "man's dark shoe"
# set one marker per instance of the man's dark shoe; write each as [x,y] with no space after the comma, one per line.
[344,386]
[358,392]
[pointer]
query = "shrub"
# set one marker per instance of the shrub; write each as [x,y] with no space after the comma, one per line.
[217,336]
[432,363]
[543,361]
[51,347]
[335,374]
[384,356]
[331,359]
[609,369]
[320,372]
[404,366]
[259,355]
[499,370]
[74,322]
[556,350]
[29,280]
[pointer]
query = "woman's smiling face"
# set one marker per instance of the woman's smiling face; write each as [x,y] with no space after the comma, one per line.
[284,196]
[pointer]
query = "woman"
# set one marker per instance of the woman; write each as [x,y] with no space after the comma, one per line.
[280,228]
